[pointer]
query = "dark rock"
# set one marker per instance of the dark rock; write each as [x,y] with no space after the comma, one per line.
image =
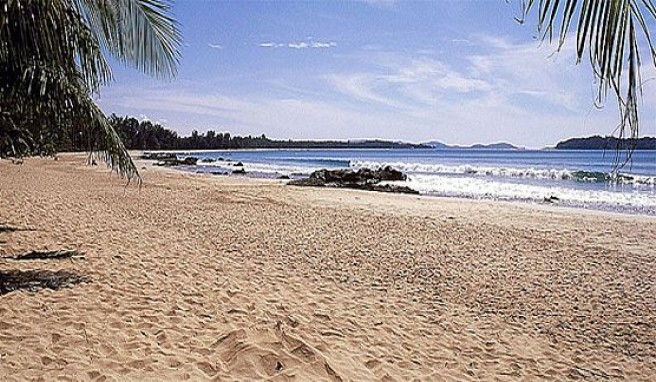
[189,161]
[208,160]
[394,188]
[363,175]
[363,179]
[158,156]
[238,164]
[389,174]
[312,182]
[283,177]
[239,171]
[170,162]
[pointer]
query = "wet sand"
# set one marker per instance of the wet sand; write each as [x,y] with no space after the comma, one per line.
[203,277]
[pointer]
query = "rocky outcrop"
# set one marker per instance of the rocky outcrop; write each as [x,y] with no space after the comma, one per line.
[169,159]
[158,156]
[188,161]
[363,179]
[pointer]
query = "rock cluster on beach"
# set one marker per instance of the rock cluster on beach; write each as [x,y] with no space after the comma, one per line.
[169,159]
[363,179]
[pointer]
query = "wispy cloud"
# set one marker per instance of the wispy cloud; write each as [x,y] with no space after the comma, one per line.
[215,46]
[271,45]
[462,41]
[309,44]
[503,92]
[507,71]
[380,3]
[409,83]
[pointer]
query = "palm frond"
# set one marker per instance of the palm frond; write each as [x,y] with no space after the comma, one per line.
[614,34]
[110,148]
[147,36]
[15,141]
[53,58]
[32,31]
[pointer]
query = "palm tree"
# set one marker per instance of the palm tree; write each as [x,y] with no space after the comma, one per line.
[54,59]
[612,34]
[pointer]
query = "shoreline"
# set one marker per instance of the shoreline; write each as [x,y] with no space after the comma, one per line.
[531,185]
[598,207]
[200,277]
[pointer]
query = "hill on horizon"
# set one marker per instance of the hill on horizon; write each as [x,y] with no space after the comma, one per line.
[478,146]
[597,142]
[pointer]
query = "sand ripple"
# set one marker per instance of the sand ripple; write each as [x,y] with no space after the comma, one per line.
[199,278]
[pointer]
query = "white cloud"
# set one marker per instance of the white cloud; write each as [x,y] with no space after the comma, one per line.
[505,92]
[489,117]
[215,46]
[509,71]
[318,44]
[408,83]
[270,45]
[300,44]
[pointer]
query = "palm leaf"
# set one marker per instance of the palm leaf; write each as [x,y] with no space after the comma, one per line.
[612,33]
[52,59]
[147,36]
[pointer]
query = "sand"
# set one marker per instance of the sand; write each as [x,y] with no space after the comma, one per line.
[196,277]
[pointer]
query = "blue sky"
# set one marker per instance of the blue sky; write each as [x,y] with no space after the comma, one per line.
[461,72]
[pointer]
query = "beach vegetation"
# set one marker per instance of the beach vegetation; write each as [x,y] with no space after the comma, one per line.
[54,58]
[613,35]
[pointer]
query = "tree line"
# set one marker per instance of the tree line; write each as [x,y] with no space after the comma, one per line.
[150,136]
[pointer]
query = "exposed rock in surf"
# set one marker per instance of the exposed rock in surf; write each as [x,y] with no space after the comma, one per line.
[171,159]
[239,171]
[158,156]
[310,182]
[189,161]
[208,160]
[363,179]
[363,175]
[394,188]
[171,162]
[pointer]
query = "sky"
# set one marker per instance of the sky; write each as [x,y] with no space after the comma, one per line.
[460,72]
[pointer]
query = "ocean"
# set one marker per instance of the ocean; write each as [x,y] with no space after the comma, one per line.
[583,179]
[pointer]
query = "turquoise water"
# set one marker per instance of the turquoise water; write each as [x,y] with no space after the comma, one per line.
[588,179]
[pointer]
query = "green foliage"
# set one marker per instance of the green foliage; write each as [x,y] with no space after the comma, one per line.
[53,60]
[146,135]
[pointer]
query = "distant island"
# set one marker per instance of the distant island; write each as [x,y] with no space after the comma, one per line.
[491,146]
[607,143]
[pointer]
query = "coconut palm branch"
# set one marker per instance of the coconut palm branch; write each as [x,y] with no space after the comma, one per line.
[53,59]
[613,34]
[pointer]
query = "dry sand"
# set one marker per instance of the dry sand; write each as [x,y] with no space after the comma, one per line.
[215,278]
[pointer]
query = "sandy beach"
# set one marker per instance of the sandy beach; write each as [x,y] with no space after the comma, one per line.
[197,277]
